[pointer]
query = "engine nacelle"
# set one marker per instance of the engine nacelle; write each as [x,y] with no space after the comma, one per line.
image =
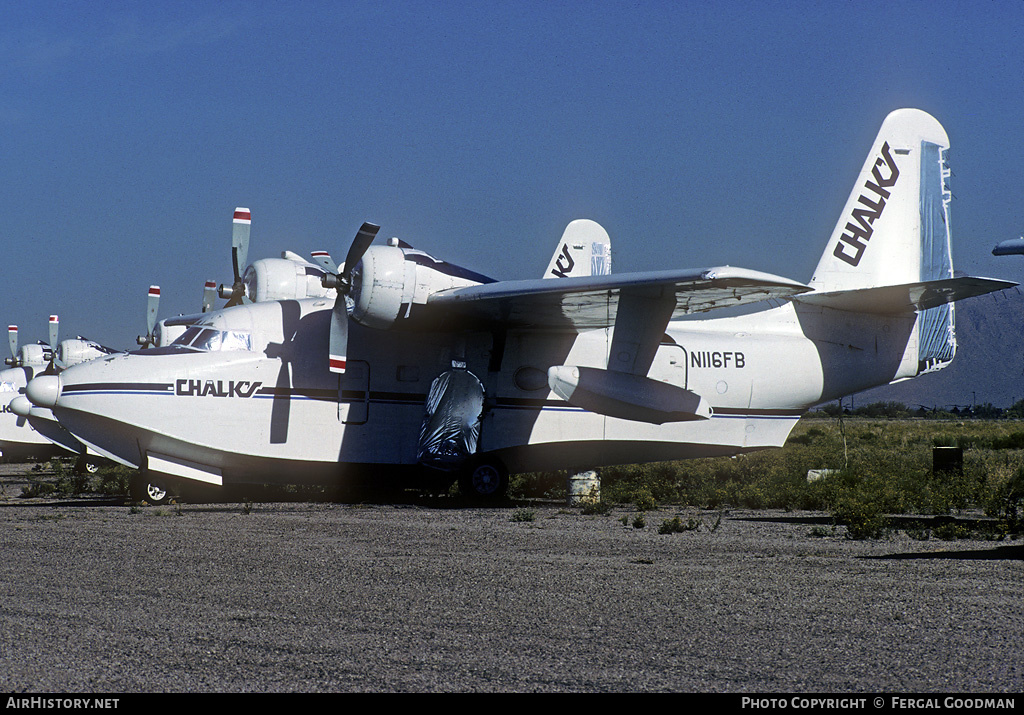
[73,352]
[390,280]
[166,332]
[34,355]
[288,278]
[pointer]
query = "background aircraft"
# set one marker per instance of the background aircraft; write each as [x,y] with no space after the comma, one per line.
[22,437]
[1013,246]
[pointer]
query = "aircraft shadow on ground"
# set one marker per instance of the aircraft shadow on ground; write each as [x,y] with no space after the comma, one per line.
[1013,552]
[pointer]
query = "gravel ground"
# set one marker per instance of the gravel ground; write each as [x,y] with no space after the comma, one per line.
[99,596]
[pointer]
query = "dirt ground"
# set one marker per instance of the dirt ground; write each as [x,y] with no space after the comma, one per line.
[430,596]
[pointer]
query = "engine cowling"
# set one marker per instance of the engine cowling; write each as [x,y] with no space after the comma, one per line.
[73,352]
[33,355]
[391,280]
[284,279]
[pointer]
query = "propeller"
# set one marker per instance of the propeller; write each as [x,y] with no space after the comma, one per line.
[209,295]
[46,352]
[12,339]
[54,336]
[54,330]
[149,339]
[324,260]
[342,282]
[241,224]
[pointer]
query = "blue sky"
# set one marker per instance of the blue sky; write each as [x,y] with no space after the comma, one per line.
[698,134]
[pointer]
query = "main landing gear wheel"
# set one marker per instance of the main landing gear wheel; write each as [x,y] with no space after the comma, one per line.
[484,480]
[152,490]
[84,466]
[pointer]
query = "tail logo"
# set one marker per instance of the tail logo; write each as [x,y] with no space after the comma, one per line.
[858,234]
[562,269]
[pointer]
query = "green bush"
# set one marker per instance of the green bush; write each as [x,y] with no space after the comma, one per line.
[877,466]
[862,518]
[1006,503]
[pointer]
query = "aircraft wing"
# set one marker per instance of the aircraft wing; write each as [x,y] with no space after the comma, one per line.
[589,302]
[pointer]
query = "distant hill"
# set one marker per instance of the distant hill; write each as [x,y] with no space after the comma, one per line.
[989,362]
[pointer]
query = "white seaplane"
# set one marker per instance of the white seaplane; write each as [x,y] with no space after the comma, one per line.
[419,367]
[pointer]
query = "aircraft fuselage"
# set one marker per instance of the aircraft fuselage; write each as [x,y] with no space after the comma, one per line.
[275,413]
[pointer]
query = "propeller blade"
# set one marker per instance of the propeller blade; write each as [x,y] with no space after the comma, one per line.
[338,357]
[324,260]
[339,336]
[12,339]
[151,308]
[241,224]
[54,330]
[362,241]
[209,295]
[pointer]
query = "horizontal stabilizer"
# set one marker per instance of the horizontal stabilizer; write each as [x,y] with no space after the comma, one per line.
[905,298]
[589,302]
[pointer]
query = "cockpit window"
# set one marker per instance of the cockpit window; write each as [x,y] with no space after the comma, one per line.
[210,340]
[235,340]
[187,337]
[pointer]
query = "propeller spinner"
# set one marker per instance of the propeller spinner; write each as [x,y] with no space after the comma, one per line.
[342,282]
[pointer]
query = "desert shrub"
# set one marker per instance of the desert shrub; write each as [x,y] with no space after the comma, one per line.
[549,485]
[1014,440]
[675,525]
[69,481]
[875,467]
[862,518]
[1006,502]
[113,479]
[523,515]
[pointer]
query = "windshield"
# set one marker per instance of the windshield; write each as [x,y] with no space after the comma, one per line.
[210,340]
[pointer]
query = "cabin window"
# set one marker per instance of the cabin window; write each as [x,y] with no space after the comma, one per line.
[210,340]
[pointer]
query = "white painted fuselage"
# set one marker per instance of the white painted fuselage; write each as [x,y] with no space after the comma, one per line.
[18,438]
[274,413]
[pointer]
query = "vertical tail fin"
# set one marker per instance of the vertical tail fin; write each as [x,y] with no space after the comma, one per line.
[585,250]
[894,229]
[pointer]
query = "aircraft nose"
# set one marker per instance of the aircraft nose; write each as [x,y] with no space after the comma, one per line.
[21,406]
[44,390]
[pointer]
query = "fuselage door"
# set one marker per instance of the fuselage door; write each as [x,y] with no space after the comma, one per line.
[670,365]
[354,393]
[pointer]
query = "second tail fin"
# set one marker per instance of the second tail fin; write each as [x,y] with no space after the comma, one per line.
[584,250]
